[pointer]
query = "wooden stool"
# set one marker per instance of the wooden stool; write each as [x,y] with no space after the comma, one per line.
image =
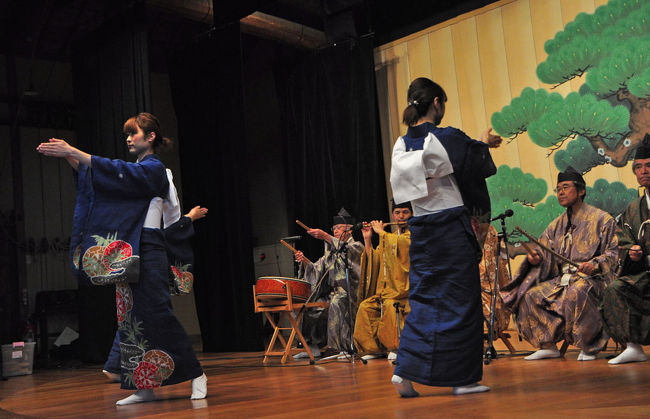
[286,307]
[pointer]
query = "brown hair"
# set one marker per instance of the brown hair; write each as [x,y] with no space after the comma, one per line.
[420,96]
[148,123]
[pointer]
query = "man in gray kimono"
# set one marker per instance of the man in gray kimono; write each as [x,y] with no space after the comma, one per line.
[626,302]
[557,301]
[343,306]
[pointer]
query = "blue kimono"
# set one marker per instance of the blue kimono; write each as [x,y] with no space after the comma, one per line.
[112,246]
[442,172]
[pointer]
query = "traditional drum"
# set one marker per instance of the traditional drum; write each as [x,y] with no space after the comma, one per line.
[272,288]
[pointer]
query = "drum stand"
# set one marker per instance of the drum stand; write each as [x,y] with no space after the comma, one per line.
[352,354]
[292,312]
[502,237]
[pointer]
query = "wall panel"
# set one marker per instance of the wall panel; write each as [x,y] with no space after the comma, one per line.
[419,58]
[468,73]
[441,50]
[495,77]
[398,81]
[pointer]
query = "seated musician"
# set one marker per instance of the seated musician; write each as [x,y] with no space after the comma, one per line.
[555,300]
[339,323]
[384,286]
[487,269]
[626,301]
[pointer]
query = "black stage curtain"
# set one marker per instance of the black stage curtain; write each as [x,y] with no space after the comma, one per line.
[110,83]
[333,142]
[206,84]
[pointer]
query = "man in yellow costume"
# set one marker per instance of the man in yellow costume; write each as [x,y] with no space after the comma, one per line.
[384,286]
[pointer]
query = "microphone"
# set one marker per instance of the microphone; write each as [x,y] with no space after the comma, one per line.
[504,215]
[291,238]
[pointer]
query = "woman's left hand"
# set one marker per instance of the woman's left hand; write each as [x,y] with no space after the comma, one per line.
[55,148]
[197,213]
[492,140]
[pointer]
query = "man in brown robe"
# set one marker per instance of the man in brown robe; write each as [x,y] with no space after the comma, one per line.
[488,270]
[554,300]
[626,302]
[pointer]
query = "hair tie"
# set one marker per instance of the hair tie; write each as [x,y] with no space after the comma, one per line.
[413,102]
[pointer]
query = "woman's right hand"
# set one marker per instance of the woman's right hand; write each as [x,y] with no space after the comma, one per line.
[59,148]
[55,148]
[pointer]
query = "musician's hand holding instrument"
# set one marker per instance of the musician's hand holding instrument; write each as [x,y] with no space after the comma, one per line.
[366,230]
[300,257]
[587,268]
[377,226]
[533,254]
[635,253]
[583,269]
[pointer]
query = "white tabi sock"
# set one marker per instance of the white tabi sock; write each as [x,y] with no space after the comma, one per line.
[372,356]
[586,357]
[469,389]
[543,354]
[315,351]
[633,353]
[199,387]
[392,356]
[115,378]
[404,386]
[140,396]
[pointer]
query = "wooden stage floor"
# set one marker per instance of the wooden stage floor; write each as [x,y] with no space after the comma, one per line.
[239,386]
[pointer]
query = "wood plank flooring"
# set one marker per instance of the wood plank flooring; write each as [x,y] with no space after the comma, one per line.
[239,386]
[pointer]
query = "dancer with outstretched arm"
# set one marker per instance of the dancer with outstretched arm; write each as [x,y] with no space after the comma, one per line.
[117,238]
[442,172]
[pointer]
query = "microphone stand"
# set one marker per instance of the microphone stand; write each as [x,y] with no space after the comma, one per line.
[342,251]
[502,237]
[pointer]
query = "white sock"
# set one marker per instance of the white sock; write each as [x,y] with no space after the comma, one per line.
[372,356]
[140,396]
[392,356]
[471,388]
[543,354]
[115,378]
[586,357]
[301,355]
[199,387]
[404,386]
[633,353]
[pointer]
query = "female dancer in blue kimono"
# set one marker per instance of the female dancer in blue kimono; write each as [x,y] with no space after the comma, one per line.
[117,239]
[442,172]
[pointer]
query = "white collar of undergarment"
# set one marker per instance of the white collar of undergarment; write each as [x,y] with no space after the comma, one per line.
[647,198]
